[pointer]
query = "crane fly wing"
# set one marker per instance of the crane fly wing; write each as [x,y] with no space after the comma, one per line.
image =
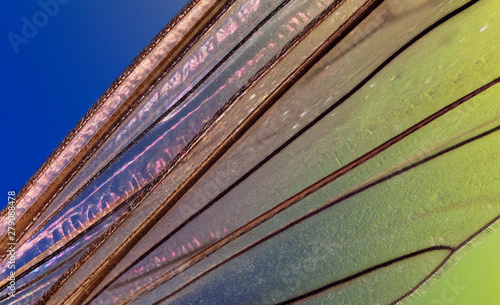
[327,151]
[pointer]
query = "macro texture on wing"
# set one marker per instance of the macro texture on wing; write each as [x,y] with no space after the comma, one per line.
[274,152]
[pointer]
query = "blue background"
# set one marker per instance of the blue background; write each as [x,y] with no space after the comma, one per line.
[51,82]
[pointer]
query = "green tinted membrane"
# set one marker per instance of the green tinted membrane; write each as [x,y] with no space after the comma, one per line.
[416,209]
[380,285]
[470,277]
